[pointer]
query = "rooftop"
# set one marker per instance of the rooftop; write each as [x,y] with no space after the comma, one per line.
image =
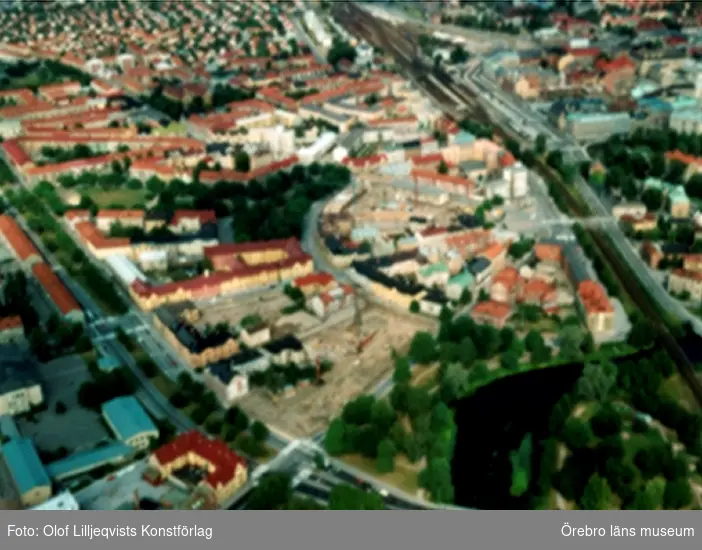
[24,464]
[127,417]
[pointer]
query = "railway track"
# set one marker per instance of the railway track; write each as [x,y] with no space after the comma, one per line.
[394,41]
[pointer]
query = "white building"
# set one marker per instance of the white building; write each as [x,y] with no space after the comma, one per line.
[62,501]
[318,149]
[316,27]
[125,269]
[517,176]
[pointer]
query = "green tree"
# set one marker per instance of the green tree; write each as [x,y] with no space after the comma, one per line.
[403,371]
[273,492]
[521,467]
[259,431]
[577,433]
[242,162]
[335,440]
[597,381]
[346,497]
[678,494]
[597,494]
[423,348]
[385,462]
[454,382]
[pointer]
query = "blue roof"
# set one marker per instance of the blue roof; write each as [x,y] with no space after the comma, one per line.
[25,465]
[464,138]
[127,417]
[108,363]
[87,460]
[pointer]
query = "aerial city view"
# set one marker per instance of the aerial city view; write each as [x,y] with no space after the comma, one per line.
[311,255]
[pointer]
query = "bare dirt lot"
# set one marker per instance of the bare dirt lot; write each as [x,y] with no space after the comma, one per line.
[232,310]
[310,409]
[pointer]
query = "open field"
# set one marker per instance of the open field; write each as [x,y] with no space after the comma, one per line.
[128,198]
[310,409]
[404,476]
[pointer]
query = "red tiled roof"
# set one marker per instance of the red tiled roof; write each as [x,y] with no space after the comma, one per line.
[97,239]
[584,52]
[232,175]
[687,274]
[493,251]
[15,153]
[594,298]
[490,308]
[120,214]
[679,156]
[17,239]
[436,177]
[204,216]
[11,322]
[59,294]
[318,279]
[508,277]
[223,462]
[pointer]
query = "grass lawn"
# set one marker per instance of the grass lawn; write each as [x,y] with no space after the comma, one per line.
[129,198]
[678,389]
[173,129]
[164,385]
[425,377]
[404,477]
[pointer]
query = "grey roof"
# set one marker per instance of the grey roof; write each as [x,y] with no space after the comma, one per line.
[478,265]
[17,369]
[576,263]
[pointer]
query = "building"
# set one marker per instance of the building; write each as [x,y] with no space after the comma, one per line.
[679,202]
[224,471]
[20,390]
[314,283]
[18,242]
[11,330]
[56,291]
[229,379]
[286,350]
[29,477]
[505,285]
[491,313]
[596,307]
[686,121]
[684,281]
[129,422]
[198,348]
[62,501]
[331,301]
[597,126]
[112,454]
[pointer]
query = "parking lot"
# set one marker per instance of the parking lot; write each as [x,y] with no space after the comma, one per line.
[311,408]
[77,427]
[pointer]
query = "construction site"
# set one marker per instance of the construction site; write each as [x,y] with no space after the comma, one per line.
[361,353]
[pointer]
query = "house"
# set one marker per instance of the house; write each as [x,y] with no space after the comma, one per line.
[692,262]
[496,254]
[20,390]
[632,209]
[11,330]
[29,477]
[647,222]
[330,301]
[435,274]
[432,302]
[285,350]
[685,281]
[651,253]
[225,472]
[679,202]
[129,422]
[229,379]
[538,292]
[549,252]
[253,335]
[596,307]
[458,284]
[314,283]
[505,285]
[491,313]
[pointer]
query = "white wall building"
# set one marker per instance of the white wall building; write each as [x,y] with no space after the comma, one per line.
[124,269]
